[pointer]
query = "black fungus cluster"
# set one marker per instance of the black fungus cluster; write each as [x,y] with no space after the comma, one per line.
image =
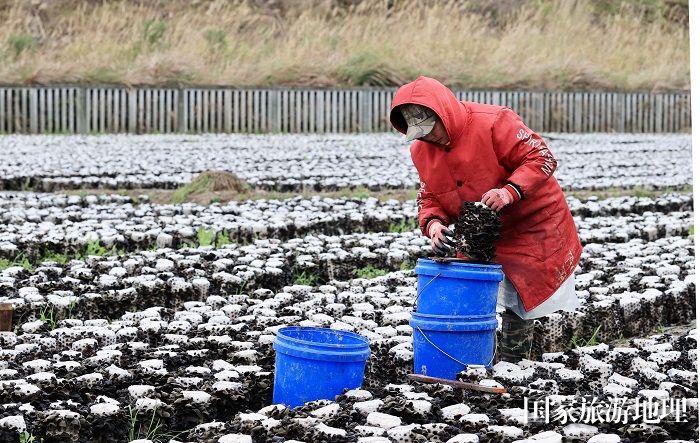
[476,231]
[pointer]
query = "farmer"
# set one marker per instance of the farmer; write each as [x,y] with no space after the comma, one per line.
[466,151]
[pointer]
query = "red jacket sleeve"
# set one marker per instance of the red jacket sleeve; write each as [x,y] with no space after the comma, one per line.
[429,208]
[522,151]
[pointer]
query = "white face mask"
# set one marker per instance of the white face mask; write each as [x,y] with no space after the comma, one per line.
[419,120]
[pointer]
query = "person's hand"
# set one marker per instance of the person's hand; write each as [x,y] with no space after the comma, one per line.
[441,237]
[497,199]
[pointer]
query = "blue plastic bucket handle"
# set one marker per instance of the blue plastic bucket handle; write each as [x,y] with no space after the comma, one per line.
[431,322]
[448,323]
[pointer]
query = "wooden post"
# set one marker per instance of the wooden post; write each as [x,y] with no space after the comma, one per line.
[6,310]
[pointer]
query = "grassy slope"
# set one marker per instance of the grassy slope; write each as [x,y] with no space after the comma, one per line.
[537,44]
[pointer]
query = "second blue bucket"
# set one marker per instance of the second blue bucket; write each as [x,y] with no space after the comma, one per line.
[445,345]
[316,364]
[457,288]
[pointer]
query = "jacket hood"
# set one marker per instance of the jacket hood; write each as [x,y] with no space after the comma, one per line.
[431,93]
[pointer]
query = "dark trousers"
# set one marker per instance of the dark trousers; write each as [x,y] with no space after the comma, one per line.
[516,341]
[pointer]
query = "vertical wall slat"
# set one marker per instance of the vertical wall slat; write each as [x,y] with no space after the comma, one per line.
[64,109]
[121,121]
[249,110]
[109,98]
[295,109]
[49,111]
[100,109]
[182,110]
[277,110]
[206,110]
[11,110]
[327,111]
[148,110]
[236,110]
[3,116]
[227,110]
[24,109]
[309,111]
[320,97]
[262,112]
[33,111]
[304,111]
[41,110]
[198,115]
[14,111]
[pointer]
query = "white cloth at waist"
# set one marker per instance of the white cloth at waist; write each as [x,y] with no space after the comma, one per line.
[563,299]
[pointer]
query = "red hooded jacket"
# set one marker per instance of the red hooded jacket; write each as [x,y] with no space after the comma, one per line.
[490,146]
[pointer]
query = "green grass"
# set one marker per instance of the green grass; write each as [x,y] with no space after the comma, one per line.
[360,192]
[209,187]
[153,32]
[369,271]
[216,38]
[659,328]
[691,230]
[222,239]
[149,429]
[407,266]
[199,184]
[208,237]
[61,259]
[20,43]
[304,278]
[26,437]
[403,226]
[364,68]
[20,260]
[205,237]
[580,342]
[48,316]
[183,244]
[94,247]
[239,290]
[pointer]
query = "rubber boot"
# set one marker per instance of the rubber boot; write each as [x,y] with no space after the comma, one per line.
[517,334]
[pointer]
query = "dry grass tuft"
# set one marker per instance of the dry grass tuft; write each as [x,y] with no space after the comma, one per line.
[211,185]
[555,44]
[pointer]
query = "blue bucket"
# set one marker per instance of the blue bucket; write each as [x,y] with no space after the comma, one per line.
[444,345]
[457,289]
[316,363]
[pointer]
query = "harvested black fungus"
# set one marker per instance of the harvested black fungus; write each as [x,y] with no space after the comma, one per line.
[476,231]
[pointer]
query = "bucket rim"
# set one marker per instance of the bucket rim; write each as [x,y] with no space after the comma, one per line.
[472,271]
[464,264]
[364,342]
